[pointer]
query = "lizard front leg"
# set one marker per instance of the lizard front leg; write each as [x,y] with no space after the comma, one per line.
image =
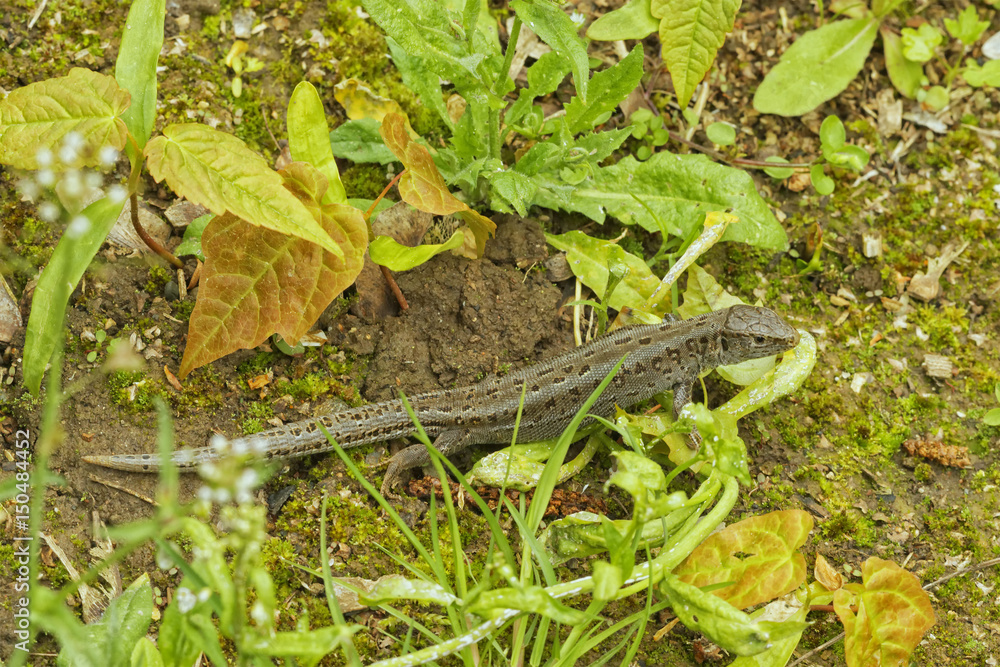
[682,396]
[415,456]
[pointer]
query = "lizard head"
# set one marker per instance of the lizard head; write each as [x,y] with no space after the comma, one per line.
[752,332]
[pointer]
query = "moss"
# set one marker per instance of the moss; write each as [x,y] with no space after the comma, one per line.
[157,279]
[942,325]
[364,181]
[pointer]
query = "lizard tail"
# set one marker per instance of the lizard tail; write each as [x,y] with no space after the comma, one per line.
[183,459]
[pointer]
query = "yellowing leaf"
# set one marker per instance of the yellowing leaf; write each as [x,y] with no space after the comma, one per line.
[893,613]
[395,256]
[691,32]
[422,184]
[757,556]
[40,114]
[218,171]
[257,282]
[360,102]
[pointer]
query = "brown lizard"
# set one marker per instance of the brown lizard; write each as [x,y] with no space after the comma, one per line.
[658,357]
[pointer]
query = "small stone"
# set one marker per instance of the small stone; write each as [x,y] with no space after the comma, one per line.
[243,20]
[938,366]
[171,292]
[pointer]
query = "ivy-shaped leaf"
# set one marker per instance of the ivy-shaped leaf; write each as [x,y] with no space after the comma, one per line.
[422,185]
[218,171]
[257,282]
[893,613]
[40,114]
[691,32]
[758,556]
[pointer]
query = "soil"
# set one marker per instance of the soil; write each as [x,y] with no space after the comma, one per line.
[835,448]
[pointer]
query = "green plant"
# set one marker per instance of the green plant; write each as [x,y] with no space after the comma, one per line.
[992,418]
[823,62]
[99,338]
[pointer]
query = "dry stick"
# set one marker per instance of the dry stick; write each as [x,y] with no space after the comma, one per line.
[386,273]
[149,240]
[933,584]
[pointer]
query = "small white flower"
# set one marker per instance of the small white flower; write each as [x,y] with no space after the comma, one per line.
[78,226]
[258,613]
[577,18]
[48,211]
[257,445]
[117,193]
[204,594]
[43,157]
[68,155]
[45,178]
[186,600]
[74,141]
[222,496]
[240,447]
[204,494]
[247,481]
[93,179]
[108,156]
[219,443]
[163,560]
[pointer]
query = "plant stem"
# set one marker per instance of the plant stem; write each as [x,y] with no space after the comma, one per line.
[398,293]
[149,240]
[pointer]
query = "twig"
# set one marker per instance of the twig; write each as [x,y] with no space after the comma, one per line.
[398,293]
[112,485]
[149,240]
[195,277]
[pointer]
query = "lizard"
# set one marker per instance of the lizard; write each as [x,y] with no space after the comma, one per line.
[670,355]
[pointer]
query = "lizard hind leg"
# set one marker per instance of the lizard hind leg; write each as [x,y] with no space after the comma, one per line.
[417,455]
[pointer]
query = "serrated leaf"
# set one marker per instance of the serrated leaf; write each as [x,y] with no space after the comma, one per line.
[968,28]
[420,79]
[40,114]
[62,274]
[589,259]
[816,68]
[607,90]
[633,21]
[893,613]
[387,252]
[257,282]
[759,555]
[135,68]
[422,185]
[309,139]
[691,32]
[360,141]
[555,28]
[679,189]
[218,171]
[514,189]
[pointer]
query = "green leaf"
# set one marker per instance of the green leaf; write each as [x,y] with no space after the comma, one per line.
[257,282]
[70,259]
[919,45]
[388,589]
[823,183]
[120,627]
[992,418]
[904,74]
[218,171]
[721,134]
[40,114]
[832,134]
[849,157]
[589,259]
[780,173]
[555,28]
[359,141]
[987,75]
[191,243]
[633,21]
[145,654]
[816,68]
[725,625]
[513,188]
[691,32]
[679,189]
[607,90]
[387,252]
[968,28]
[309,139]
[420,79]
[135,68]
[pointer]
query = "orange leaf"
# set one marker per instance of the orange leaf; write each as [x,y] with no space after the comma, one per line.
[893,613]
[422,184]
[757,556]
[257,282]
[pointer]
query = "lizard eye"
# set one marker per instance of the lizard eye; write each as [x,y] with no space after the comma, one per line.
[759,340]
